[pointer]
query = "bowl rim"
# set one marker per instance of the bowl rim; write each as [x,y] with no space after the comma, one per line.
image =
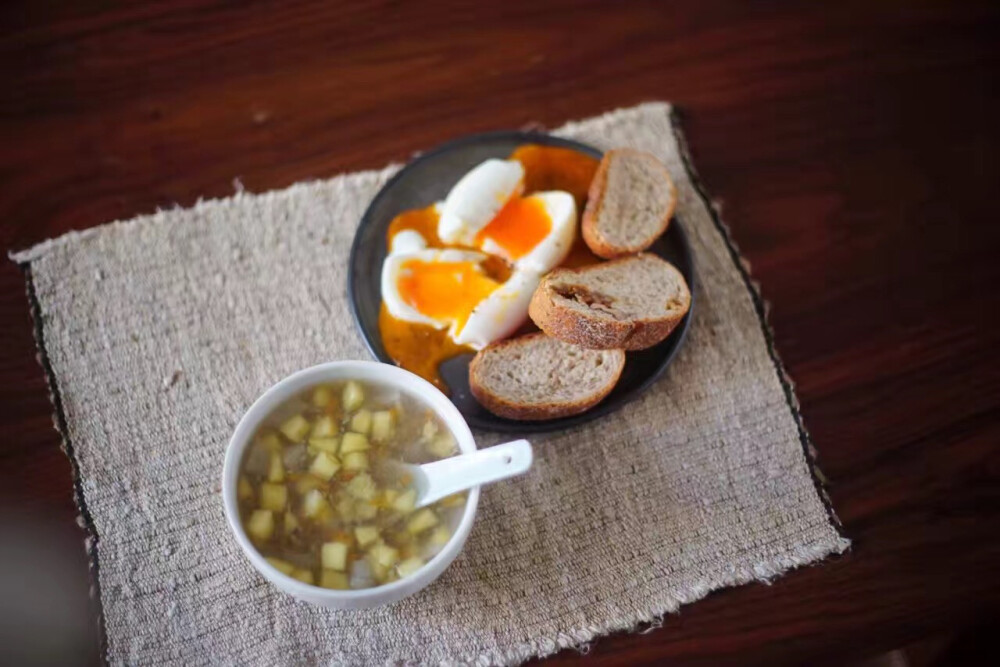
[287,387]
[676,339]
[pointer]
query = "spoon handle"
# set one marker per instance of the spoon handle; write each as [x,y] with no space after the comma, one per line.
[459,473]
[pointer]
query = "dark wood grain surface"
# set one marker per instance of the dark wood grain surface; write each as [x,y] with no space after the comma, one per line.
[853,146]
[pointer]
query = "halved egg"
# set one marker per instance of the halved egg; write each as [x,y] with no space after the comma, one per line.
[450,289]
[533,233]
[477,198]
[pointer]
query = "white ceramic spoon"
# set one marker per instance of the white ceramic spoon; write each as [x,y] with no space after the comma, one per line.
[434,481]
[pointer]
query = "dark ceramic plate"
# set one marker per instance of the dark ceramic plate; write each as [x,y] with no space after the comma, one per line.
[427,179]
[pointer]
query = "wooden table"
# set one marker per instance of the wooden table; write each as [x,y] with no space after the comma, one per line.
[854,149]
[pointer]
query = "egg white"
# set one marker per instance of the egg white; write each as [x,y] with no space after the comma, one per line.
[501,313]
[477,198]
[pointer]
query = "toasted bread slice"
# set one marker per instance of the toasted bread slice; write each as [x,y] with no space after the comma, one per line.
[630,203]
[539,377]
[630,303]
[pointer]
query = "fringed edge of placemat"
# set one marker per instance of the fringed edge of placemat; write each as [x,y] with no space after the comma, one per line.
[762,309]
[83,518]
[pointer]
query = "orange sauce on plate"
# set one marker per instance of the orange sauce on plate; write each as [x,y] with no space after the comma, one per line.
[420,348]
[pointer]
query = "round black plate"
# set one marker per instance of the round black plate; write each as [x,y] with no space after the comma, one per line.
[427,179]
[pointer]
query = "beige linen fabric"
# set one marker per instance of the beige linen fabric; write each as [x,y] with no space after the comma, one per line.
[157,333]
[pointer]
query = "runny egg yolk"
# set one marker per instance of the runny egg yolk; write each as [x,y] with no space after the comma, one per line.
[520,225]
[446,292]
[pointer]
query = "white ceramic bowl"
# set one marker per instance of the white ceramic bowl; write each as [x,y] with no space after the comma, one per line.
[365,371]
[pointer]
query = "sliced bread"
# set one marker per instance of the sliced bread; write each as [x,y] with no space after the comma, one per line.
[539,377]
[630,303]
[630,203]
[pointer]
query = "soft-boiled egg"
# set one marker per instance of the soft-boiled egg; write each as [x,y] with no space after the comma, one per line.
[477,198]
[533,233]
[450,289]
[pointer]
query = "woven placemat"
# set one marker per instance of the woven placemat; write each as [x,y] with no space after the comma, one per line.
[157,333]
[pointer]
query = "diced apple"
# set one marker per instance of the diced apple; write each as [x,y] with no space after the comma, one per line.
[269,440]
[442,445]
[282,566]
[365,535]
[353,397]
[383,425]
[295,428]
[244,489]
[362,487]
[405,501]
[291,523]
[356,461]
[384,555]
[345,509]
[335,580]
[304,575]
[354,442]
[315,505]
[440,536]
[334,556]
[260,527]
[324,427]
[421,521]
[322,396]
[429,430]
[273,496]
[276,468]
[324,466]
[409,566]
[307,484]
[454,500]
[361,422]
[365,511]
[329,444]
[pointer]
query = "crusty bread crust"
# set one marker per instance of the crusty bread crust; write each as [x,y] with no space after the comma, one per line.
[504,407]
[589,229]
[598,333]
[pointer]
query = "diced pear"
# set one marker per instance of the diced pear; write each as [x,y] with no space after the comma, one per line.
[324,427]
[260,527]
[356,461]
[324,466]
[365,535]
[334,579]
[442,445]
[291,523]
[328,444]
[440,536]
[276,469]
[354,442]
[315,505]
[406,501]
[282,566]
[269,440]
[380,573]
[430,429]
[361,422]
[383,425]
[244,489]
[304,575]
[273,496]
[353,397]
[365,511]
[409,566]
[421,521]
[295,428]
[384,555]
[362,487]
[322,396]
[334,556]
[389,496]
